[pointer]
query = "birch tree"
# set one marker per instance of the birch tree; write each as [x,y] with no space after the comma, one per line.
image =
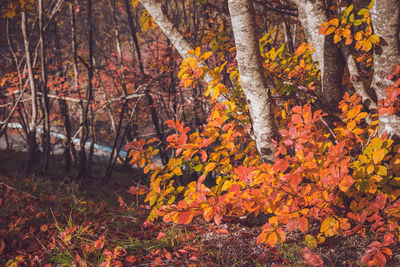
[385,16]
[252,77]
[32,145]
[312,14]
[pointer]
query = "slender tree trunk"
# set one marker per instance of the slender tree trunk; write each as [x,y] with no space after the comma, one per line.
[385,16]
[174,35]
[45,99]
[330,60]
[115,150]
[85,124]
[32,145]
[133,33]
[69,148]
[252,77]
[157,126]
[75,67]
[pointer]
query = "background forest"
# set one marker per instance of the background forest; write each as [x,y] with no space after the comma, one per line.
[199,132]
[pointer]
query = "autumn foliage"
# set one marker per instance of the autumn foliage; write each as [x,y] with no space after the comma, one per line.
[325,181]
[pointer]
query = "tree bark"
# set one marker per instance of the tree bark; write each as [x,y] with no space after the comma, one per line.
[32,145]
[82,168]
[134,35]
[69,148]
[385,17]
[154,7]
[45,99]
[330,60]
[252,76]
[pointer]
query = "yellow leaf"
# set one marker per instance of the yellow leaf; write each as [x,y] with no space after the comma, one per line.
[147,168]
[206,55]
[208,213]
[226,185]
[336,39]
[358,36]
[178,171]
[272,239]
[135,3]
[367,45]
[310,241]
[382,170]
[330,30]
[374,39]
[197,52]
[329,227]
[378,156]
[370,169]
[210,166]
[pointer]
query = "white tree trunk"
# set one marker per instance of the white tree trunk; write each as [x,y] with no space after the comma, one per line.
[249,60]
[252,76]
[154,7]
[385,16]
[327,54]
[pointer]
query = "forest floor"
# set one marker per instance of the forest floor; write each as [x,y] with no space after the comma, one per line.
[53,221]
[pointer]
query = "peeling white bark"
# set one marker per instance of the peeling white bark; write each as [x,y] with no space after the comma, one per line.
[327,54]
[385,16]
[252,77]
[154,7]
[356,79]
[249,60]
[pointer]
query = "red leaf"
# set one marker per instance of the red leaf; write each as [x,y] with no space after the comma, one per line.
[222,231]
[161,235]
[312,258]
[378,259]
[98,244]
[130,259]
[203,155]
[200,181]
[303,224]
[380,200]
[297,119]
[187,247]
[217,219]
[138,190]
[396,69]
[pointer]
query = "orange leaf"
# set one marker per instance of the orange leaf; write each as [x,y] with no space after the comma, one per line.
[378,260]
[303,224]
[130,259]
[210,166]
[185,217]
[200,181]
[346,183]
[222,231]
[272,239]
[330,227]
[334,22]
[330,30]
[137,190]
[208,213]
[378,156]
[98,244]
